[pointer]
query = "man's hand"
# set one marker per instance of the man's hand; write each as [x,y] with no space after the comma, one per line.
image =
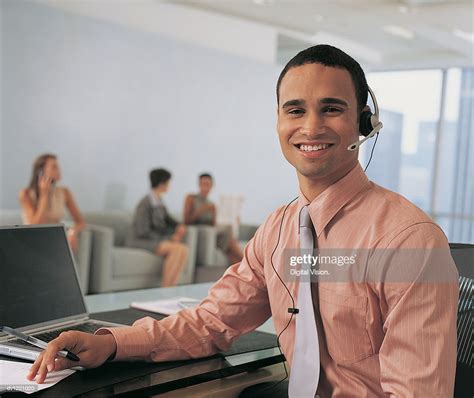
[93,350]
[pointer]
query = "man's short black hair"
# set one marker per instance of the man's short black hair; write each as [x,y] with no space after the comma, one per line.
[159,176]
[205,175]
[333,57]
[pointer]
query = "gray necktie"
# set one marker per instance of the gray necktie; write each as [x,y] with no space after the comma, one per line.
[305,368]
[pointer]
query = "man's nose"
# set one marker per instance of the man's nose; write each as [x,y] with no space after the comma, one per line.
[313,124]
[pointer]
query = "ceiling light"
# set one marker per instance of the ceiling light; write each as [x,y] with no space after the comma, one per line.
[262,2]
[403,9]
[464,35]
[399,31]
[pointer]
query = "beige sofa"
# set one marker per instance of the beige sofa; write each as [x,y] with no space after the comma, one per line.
[208,255]
[116,267]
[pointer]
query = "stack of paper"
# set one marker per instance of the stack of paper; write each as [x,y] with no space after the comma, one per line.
[13,377]
[166,307]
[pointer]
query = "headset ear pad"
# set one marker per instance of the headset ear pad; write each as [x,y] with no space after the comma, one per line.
[365,123]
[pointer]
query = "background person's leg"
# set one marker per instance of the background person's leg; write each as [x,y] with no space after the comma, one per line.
[176,255]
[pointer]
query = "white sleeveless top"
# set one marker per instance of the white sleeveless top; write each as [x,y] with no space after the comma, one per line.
[57,205]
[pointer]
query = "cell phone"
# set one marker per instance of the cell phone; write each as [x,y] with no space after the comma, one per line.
[41,174]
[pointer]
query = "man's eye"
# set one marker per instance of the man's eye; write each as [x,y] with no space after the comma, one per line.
[331,109]
[295,111]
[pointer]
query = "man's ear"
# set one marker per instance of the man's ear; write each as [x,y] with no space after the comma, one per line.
[364,121]
[277,120]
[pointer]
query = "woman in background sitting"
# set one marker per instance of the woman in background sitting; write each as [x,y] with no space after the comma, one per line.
[43,202]
[199,210]
[155,230]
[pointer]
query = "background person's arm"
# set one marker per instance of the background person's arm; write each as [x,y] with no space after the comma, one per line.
[419,309]
[190,216]
[79,223]
[188,210]
[71,205]
[35,214]
[170,221]
[142,220]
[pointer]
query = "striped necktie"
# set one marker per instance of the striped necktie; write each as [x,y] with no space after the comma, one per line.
[305,368]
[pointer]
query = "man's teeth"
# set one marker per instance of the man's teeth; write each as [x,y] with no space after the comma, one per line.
[309,148]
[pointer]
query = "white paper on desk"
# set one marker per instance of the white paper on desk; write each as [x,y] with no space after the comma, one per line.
[166,307]
[13,377]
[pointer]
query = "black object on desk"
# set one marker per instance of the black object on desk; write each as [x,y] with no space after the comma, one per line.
[252,351]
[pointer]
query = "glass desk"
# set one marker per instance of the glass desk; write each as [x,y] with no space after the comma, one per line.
[253,358]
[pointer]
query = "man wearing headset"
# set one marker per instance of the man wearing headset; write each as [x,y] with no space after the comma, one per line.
[374,338]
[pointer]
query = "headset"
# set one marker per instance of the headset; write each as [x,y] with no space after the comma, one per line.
[369,123]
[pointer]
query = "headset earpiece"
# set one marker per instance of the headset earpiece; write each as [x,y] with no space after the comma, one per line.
[369,124]
[365,123]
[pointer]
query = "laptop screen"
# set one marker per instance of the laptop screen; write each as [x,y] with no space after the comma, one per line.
[38,282]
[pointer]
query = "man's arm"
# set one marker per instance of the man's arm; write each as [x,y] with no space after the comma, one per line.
[419,297]
[236,304]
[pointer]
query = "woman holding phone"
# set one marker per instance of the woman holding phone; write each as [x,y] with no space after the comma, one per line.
[43,202]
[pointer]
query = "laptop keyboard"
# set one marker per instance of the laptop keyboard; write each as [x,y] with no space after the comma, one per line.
[88,327]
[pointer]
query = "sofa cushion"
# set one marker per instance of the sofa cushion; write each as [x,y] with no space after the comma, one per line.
[129,262]
[119,221]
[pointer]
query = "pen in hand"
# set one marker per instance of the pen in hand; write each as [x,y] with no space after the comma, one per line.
[37,342]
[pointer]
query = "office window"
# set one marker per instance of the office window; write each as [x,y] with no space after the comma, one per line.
[426,149]
[453,206]
[409,108]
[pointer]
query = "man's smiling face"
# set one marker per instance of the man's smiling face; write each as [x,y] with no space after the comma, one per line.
[317,121]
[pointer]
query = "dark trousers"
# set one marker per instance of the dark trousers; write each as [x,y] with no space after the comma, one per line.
[266,390]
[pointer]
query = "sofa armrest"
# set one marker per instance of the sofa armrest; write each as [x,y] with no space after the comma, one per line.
[83,258]
[101,258]
[246,232]
[191,240]
[206,245]
[130,263]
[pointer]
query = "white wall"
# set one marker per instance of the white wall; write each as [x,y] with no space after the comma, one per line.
[226,33]
[114,102]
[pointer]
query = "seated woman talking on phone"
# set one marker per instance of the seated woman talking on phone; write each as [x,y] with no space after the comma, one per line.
[43,202]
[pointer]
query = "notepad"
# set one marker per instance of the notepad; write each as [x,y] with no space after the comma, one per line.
[167,306]
[13,377]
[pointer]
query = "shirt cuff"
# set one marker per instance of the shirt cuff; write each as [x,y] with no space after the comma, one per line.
[132,342]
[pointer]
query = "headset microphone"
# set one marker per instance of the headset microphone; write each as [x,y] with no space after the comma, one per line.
[369,125]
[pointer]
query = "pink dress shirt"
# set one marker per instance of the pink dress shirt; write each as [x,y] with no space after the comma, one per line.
[377,338]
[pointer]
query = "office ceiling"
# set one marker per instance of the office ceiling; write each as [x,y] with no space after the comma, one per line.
[385,34]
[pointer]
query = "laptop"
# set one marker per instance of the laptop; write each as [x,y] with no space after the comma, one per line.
[39,288]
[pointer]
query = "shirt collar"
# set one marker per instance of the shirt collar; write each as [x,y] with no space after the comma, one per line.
[155,201]
[326,205]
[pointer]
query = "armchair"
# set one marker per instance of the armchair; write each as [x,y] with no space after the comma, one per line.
[115,267]
[208,255]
